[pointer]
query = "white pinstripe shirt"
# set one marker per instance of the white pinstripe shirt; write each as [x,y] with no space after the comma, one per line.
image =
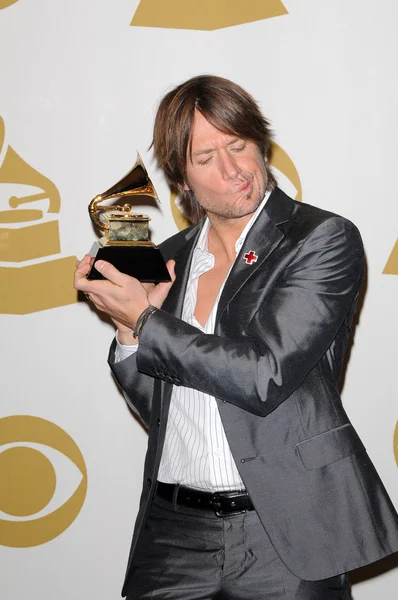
[196,453]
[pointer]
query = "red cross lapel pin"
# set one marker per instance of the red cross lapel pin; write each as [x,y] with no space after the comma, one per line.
[250,257]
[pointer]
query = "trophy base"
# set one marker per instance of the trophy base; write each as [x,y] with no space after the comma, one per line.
[145,262]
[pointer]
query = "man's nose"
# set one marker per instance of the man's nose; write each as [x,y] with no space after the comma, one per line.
[229,166]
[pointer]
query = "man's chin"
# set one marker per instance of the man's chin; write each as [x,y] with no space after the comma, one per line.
[233,214]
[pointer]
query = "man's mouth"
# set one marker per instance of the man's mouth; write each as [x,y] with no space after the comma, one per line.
[244,188]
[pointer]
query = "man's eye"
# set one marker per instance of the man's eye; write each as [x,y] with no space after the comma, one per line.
[239,148]
[205,162]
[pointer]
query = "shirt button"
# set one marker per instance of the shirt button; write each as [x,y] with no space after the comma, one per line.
[158,422]
[149,481]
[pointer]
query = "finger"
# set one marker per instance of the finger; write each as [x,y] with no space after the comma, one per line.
[83,269]
[79,276]
[161,291]
[83,284]
[171,269]
[147,286]
[87,259]
[159,294]
[110,272]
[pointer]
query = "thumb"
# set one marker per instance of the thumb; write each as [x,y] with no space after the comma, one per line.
[110,272]
[159,293]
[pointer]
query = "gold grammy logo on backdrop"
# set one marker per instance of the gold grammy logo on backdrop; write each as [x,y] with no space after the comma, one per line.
[280,160]
[30,234]
[34,504]
[204,14]
[6,3]
[391,267]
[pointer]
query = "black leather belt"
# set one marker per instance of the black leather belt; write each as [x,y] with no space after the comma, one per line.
[221,503]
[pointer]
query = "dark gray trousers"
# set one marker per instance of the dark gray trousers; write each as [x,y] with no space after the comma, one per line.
[189,554]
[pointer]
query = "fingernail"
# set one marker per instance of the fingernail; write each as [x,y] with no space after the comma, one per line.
[99,265]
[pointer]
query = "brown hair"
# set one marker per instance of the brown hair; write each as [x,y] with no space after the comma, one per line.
[227,107]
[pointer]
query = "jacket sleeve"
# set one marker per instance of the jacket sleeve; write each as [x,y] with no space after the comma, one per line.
[292,328]
[137,388]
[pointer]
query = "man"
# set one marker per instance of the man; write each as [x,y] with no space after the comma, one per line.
[256,485]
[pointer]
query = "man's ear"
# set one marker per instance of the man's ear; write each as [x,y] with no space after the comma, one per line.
[186,187]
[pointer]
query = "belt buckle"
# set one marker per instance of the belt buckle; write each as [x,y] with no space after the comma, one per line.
[218,504]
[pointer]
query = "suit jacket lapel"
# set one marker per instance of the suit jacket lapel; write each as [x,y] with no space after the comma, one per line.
[175,299]
[174,304]
[262,238]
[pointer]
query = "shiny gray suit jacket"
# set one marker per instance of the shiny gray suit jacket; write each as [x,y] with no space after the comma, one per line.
[273,365]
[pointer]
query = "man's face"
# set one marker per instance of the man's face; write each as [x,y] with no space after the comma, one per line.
[226,174]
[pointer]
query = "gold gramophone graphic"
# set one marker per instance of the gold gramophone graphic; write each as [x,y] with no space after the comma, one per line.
[391,267]
[126,242]
[6,3]
[30,234]
[204,15]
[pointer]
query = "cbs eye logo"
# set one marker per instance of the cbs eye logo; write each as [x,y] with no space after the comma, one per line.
[43,481]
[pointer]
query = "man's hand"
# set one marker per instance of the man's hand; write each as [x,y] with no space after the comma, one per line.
[122,297]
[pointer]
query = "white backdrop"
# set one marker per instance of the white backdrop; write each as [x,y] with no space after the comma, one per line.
[79,89]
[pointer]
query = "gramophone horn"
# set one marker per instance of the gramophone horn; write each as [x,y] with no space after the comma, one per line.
[135,183]
[15,170]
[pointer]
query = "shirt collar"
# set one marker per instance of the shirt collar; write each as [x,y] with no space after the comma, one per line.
[249,225]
